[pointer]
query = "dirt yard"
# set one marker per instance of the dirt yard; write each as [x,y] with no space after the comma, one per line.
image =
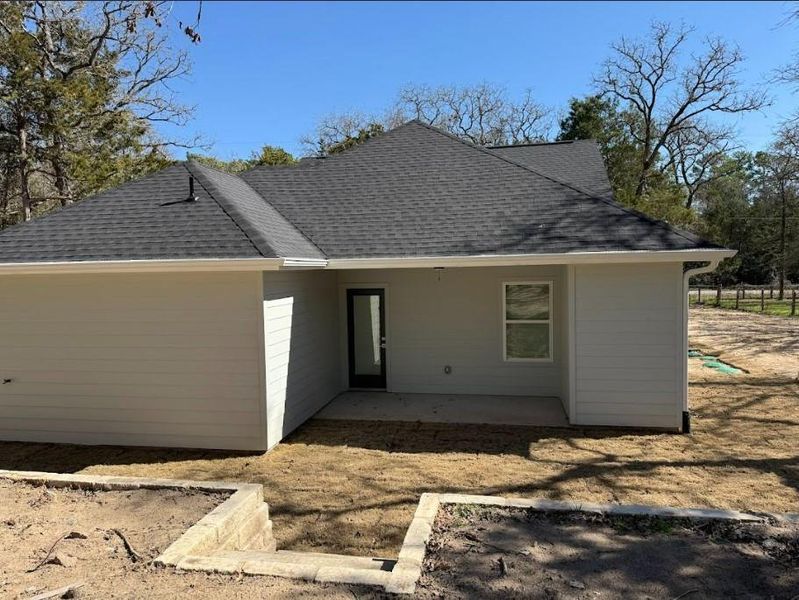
[495,553]
[353,487]
[33,519]
[768,345]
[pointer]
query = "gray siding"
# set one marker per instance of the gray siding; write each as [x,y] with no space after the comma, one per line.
[454,317]
[628,321]
[139,359]
[301,337]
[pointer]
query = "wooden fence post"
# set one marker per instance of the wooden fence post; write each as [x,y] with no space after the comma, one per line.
[718,295]
[771,292]
[762,300]
[737,294]
[793,302]
[743,292]
[699,294]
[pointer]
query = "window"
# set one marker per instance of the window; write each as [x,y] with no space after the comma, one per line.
[527,321]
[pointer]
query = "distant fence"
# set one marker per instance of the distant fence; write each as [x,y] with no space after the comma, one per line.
[752,298]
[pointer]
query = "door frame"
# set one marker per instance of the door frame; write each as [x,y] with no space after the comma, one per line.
[344,289]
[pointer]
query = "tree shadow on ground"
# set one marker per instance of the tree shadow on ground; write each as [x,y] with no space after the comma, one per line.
[447,438]
[543,557]
[70,458]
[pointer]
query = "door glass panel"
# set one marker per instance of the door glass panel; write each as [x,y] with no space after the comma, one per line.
[366,334]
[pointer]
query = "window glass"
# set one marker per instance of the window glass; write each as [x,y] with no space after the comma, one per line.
[527,321]
[527,340]
[527,301]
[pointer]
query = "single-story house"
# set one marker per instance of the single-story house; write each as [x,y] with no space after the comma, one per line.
[195,308]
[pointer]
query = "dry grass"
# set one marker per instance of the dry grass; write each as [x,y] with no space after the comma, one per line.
[353,487]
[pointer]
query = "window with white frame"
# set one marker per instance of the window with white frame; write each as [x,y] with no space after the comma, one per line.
[527,320]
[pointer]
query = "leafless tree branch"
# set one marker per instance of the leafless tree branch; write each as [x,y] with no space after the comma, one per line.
[670,96]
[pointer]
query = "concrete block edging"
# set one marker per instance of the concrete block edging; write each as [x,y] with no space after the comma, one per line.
[207,533]
[408,569]
[194,550]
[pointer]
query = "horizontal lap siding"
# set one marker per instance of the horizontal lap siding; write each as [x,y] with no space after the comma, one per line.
[156,359]
[301,347]
[628,325]
[454,317]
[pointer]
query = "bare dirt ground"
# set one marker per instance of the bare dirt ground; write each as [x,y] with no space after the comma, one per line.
[495,553]
[353,487]
[33,519]
[766,344]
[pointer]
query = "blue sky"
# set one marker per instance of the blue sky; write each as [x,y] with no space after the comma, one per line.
[266,72]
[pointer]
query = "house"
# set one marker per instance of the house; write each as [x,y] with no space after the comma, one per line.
[195,308]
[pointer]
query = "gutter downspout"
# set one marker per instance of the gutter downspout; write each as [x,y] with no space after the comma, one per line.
[686,276]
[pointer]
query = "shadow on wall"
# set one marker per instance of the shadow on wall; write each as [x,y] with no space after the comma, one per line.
[302,352]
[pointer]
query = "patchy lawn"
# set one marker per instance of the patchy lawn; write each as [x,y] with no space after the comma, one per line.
[353,487]
[779,308]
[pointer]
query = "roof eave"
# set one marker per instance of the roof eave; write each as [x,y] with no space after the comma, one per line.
[567,258]
[143,266]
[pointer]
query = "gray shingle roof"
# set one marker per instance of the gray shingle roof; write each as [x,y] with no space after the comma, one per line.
[141,219]
[578,162]
[268,230]
[414,191]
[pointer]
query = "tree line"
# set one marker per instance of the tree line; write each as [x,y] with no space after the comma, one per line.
[85,91]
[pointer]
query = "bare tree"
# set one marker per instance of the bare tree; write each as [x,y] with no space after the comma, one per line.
[670,96]
[483,114]
[789,73]
[693,155]
[333,130]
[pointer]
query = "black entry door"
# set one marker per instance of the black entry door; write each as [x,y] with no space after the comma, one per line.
[366,338]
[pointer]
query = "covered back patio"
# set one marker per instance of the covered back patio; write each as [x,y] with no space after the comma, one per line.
[446,408]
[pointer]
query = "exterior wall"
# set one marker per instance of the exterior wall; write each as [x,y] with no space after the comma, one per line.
[628,332]
[301,347]
[138,359]
[453,317]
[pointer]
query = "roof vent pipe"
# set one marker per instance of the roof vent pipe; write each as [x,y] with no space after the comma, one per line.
[192,196]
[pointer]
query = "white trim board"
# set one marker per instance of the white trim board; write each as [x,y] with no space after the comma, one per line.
[571,322]
[274,264]
[632,256]
[142,266]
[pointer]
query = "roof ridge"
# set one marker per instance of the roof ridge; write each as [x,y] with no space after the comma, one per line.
[590,195]
[251,232]
[528,144]
[244,217]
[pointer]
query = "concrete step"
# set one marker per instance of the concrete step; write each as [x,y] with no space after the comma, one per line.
[318,559]
[311,566]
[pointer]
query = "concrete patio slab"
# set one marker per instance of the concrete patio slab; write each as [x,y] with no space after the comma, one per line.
[446,408]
